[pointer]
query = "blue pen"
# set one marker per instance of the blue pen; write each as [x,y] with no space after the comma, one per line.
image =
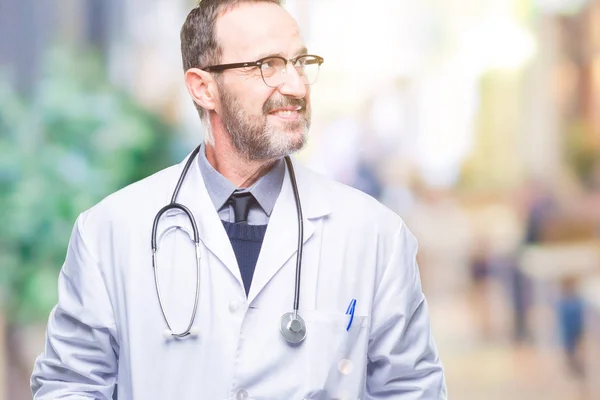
[350,311]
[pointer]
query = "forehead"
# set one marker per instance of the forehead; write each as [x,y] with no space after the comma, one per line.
[257,29]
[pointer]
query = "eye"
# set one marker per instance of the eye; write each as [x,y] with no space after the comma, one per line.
[270,63]
[271,66]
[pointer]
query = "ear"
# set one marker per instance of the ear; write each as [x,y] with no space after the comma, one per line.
[202,87]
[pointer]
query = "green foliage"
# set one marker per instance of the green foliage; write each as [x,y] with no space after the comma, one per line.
[77,140]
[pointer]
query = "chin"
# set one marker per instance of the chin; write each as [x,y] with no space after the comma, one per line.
[295,137]
[286,144]
[284,140]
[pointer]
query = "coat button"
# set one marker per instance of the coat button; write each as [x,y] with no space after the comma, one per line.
[346,367]
[242,394]
[235,306]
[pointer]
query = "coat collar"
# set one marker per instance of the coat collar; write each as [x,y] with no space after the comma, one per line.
[281,239]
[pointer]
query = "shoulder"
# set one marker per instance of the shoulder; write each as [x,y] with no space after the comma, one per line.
[132,201]
[350,204]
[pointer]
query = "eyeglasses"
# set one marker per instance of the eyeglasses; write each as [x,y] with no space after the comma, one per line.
[273,69]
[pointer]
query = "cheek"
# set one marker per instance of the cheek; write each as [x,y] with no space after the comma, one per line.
[255,102]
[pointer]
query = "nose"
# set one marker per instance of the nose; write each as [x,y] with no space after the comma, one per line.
[293,85]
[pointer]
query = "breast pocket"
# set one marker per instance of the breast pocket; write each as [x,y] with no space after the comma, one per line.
[337,355]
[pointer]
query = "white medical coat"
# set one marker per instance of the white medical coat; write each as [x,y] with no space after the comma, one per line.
[107,327]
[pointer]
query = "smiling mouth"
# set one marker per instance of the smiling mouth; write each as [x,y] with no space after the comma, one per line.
[287,113]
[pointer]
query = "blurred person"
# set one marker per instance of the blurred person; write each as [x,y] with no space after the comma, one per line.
[480,269]
[539,207]
[570,320]
[366,179]
[294,287]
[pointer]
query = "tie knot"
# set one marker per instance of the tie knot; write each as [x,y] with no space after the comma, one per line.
[241,203]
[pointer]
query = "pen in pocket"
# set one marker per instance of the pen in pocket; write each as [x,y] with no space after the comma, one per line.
[350,311]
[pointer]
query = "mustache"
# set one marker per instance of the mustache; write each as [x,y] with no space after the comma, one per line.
[275,103]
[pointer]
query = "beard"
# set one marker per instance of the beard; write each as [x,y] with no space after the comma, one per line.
[254,137]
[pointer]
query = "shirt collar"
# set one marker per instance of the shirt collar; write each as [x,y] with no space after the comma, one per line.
[265,190]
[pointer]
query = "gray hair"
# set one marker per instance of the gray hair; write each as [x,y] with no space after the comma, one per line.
[199,47]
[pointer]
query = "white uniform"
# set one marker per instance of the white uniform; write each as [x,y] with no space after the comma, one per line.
[108,328]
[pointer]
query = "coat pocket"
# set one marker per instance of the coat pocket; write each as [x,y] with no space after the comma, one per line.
[337,355]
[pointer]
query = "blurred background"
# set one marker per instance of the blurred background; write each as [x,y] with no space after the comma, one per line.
[477,121]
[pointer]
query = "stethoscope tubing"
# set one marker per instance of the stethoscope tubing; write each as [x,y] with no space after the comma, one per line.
[296,306]
[174,205]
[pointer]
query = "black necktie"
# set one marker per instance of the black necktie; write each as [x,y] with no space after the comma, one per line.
[241,205]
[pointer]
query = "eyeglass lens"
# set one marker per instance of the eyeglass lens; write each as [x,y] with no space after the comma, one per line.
[274,70]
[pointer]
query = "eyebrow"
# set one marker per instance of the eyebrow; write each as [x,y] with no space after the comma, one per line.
[301,52]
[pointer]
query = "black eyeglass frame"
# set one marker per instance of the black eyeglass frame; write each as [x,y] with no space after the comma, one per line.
[260,62]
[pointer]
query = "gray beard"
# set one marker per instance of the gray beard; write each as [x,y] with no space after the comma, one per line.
[255,140]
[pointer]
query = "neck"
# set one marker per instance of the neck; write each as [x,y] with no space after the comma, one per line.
[236,168]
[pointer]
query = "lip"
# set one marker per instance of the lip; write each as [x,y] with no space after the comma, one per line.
[297,109]
[294,114]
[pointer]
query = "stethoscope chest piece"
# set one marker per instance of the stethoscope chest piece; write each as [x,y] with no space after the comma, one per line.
[293,328]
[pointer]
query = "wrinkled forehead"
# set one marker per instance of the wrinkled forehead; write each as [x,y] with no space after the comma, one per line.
[257,29]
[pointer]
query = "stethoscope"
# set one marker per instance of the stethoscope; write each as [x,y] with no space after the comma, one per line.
[292,326]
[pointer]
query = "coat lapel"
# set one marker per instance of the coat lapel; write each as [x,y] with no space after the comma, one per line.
[195,197]
[281,238]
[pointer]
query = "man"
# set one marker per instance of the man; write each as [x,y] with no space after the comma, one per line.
[361,326]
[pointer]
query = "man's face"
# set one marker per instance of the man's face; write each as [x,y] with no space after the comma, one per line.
[263,123]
